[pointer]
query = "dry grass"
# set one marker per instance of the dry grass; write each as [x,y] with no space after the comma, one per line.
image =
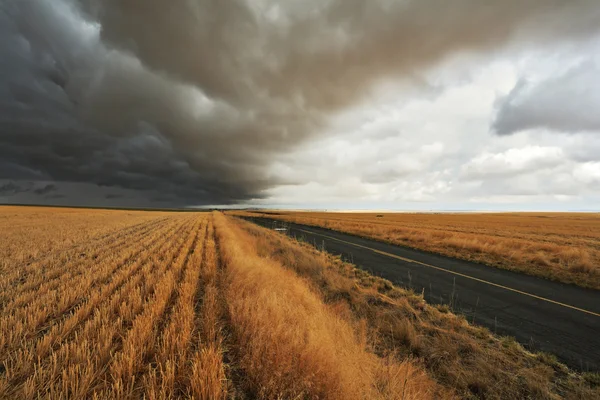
[56,230]
[203,306]
[559,246]
[129,305]
[401,326]
[207,376]
[110,311]
[291,345]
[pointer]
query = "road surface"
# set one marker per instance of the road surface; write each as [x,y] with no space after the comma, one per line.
[541,314]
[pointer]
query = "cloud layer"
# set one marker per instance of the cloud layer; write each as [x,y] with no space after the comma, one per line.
[193,102]
[564,104]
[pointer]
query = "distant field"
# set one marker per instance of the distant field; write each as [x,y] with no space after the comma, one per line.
[127,304]
[559,246]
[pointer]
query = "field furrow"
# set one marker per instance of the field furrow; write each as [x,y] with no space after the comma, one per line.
[84,276]
[99,239]
[85,358]
[33,233]
[164,375]
[40,313]
[47,274]
[107,297]
[140,339]
[206,377]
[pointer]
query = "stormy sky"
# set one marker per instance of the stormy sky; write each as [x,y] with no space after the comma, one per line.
[401,104]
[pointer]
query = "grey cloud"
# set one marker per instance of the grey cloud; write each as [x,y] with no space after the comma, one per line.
[189,102]
[84,194]
[586,149]
[46,189]
[11,188]
[322,54]
[55,196]
[566,103]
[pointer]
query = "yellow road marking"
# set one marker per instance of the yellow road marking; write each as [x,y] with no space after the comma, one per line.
[455,273]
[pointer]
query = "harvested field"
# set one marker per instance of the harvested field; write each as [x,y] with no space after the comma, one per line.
[127,305]
[560,246]
[156,305]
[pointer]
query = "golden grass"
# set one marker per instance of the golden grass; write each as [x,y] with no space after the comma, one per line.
[559,246]
[202,306]
[164,305]
[400,325]
[207,376]
[291,345]
[114,319]
[28,233]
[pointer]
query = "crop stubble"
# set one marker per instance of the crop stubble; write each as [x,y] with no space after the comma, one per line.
[125,304]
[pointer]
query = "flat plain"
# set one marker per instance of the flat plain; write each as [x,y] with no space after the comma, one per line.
[560,246]
[131,304]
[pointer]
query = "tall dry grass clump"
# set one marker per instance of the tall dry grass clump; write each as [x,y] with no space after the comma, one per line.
[289,343]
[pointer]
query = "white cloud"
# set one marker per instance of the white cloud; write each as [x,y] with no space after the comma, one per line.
[588,173]
[435,150]
[513,161]
[520,199]
[420,191]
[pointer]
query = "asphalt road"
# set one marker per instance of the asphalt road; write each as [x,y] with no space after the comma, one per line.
[542,315]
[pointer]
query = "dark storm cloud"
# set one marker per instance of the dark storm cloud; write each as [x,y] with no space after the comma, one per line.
[46,189]
[321,54]
[567,103]
[11,188]
[190,101]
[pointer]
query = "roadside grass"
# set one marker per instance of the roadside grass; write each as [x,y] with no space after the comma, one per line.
[469,360]
[564,247]
[292,345]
